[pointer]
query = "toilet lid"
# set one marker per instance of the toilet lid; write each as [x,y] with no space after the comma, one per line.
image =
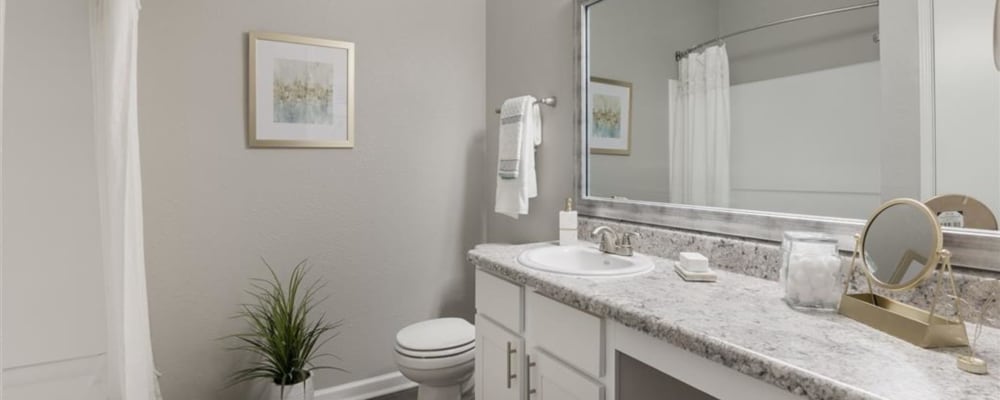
[436,334]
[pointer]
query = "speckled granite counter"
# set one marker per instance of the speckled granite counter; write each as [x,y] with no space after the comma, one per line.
[761,260]
[742,322]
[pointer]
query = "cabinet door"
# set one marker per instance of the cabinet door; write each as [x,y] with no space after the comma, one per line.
[553,380]
[498,362]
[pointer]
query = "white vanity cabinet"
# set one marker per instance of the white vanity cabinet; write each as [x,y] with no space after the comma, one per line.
[530,347]
[533,348]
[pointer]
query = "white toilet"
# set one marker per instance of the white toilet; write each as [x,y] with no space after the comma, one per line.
[439,355]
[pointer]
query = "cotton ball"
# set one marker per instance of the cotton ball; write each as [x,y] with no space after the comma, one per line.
[812,280]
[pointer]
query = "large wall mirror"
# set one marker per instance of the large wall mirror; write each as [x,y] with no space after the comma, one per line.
[774,114]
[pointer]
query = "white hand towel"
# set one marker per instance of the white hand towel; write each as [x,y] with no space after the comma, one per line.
[513,115]
[515,189]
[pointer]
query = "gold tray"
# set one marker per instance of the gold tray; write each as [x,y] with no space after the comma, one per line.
[906,322]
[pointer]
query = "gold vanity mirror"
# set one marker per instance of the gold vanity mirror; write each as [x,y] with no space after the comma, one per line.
[900,247]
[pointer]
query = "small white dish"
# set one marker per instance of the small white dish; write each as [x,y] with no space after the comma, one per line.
[691,276]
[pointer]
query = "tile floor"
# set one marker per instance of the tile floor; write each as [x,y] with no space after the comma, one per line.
[404,395]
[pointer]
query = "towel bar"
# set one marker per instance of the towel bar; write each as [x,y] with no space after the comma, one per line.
[549,101]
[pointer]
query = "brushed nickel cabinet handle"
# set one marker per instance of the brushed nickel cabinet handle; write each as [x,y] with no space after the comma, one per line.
[510,352]
[531,364]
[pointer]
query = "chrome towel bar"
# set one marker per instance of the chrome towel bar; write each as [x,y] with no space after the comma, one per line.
[549,101]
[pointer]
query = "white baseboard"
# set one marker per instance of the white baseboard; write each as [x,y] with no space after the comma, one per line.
[367,388]
[71,379]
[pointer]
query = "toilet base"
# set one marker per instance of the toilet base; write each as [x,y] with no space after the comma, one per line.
[462,391]
[425,392]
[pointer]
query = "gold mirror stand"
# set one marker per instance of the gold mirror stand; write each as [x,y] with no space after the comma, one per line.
[912,324]
[970,362]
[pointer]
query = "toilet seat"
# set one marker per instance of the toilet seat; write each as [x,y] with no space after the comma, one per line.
[439,363]
[440,353]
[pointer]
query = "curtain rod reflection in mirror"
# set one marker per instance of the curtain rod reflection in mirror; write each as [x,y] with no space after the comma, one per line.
[683,53]
[549,101]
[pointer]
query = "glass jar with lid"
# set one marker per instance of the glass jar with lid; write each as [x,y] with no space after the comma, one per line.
[812,272]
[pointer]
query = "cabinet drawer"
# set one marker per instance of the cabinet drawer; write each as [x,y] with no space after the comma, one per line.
[500,301]
[565,332]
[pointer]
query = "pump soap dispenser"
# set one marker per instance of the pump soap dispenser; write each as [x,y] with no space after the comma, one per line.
[568,225]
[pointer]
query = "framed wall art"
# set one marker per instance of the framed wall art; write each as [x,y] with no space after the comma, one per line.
[301,92]
[610,117]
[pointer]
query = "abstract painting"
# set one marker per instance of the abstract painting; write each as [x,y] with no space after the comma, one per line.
[609,117]
[301,92]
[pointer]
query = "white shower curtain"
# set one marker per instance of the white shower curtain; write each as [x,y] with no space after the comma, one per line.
[699,130]
[3,22]
[113,37]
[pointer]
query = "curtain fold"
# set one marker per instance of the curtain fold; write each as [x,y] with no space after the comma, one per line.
[699,130]
[3,28]
[113,38]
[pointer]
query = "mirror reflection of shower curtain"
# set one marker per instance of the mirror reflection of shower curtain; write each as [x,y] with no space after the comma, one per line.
[699,130]
[113,38]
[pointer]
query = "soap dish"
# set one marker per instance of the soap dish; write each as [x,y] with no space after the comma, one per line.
[707,276]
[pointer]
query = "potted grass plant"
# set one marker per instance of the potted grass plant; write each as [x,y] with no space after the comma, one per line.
[282,337]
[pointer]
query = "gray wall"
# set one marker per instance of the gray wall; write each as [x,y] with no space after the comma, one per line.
[530,49]
[387,224]
[634,41]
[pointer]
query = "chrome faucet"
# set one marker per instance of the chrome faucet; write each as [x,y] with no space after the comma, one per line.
[611,243]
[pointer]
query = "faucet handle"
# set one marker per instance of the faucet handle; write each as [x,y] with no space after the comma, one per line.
[629,238]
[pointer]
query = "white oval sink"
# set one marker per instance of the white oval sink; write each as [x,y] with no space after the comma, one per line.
[583,260]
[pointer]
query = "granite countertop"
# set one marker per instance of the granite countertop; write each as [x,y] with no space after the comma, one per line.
[743,323]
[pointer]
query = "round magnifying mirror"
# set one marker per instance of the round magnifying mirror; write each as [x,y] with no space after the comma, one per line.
[901,244]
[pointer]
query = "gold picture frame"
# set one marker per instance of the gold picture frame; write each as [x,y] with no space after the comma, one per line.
[300,92]
[621,93]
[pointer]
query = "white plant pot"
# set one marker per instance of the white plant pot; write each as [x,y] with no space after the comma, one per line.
[301,391]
